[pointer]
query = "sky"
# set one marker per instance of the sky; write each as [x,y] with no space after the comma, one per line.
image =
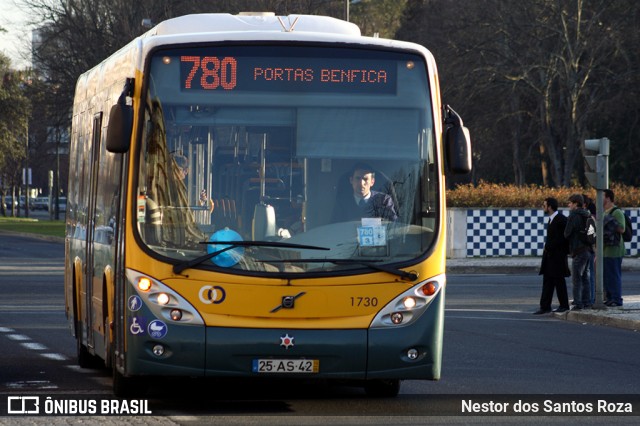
[16,42]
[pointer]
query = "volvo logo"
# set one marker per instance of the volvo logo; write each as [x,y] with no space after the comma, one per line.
[288,302]
[212,294]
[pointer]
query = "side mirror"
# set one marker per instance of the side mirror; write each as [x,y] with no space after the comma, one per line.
[457,143]
[120,123]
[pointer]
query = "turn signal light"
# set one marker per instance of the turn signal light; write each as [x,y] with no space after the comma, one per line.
[429,289]
[144,284]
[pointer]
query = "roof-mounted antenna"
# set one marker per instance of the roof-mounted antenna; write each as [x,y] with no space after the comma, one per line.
[288,30]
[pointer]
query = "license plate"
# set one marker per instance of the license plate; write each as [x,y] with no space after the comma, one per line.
[286,366]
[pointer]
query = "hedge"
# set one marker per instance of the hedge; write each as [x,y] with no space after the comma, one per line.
[500,195]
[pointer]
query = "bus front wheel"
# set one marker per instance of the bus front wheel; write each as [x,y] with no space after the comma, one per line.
[382,388]
[125,387]
[85,358]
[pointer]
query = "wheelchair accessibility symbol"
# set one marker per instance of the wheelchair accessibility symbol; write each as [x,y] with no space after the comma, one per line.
[135,328]
[157,329]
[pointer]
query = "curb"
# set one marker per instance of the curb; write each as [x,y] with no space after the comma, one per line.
[492,269]
[611,321]
[512,265]
[51,238]
[608,318]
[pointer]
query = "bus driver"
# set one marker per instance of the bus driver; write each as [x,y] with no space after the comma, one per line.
[364,202]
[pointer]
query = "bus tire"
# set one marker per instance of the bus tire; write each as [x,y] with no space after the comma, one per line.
[387,388]
[107,343]
[128,387]
[85,359]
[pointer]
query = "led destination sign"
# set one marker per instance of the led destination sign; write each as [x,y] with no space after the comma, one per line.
[287,74]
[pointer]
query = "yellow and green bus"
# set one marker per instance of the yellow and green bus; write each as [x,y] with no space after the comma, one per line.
[212,224]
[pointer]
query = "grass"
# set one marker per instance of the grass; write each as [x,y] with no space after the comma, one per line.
[54,228]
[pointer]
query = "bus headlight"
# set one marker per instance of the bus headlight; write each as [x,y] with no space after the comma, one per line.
[410,305]
[162,300]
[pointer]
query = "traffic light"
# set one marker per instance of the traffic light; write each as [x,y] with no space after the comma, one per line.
[596,157]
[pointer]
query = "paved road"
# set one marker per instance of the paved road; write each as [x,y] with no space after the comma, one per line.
[494,349]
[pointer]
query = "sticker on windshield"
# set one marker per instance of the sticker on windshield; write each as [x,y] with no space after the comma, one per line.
[372,236]
[142,208]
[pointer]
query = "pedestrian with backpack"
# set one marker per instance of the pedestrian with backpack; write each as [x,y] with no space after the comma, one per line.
[591,206]
[581,232]
[613,250]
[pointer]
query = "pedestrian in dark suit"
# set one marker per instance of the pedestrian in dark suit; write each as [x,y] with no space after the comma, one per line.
[555,266]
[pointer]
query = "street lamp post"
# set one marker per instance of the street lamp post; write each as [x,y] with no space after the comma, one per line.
[26,174]
[57,181]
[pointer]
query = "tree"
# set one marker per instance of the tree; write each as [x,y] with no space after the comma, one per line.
[382,17]
[533,79]
[74,36]
[14,112]
[584,53]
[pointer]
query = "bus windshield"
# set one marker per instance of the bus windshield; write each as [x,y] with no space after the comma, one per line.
[328,149]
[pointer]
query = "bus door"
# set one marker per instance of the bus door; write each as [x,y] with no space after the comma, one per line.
[91,224]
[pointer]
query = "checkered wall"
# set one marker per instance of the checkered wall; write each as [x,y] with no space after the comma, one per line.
[520,232]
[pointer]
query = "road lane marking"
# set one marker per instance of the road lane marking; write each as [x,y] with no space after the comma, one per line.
[79,369]
[42,327]
[18,337]
[55,357]
[484,310]
[31,384]
[34,346]
[32,308]
[6,330]
[497,318]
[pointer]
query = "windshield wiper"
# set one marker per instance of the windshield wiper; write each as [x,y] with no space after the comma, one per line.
[178,268]
[411,276]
